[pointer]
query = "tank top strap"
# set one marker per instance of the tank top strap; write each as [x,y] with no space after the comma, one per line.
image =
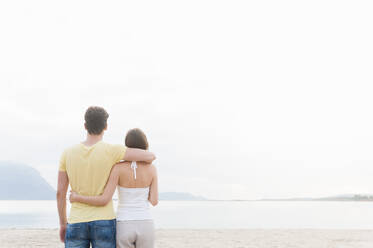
[134,167]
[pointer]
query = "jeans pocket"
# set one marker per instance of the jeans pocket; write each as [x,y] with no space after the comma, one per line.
[76,231]
[104,232]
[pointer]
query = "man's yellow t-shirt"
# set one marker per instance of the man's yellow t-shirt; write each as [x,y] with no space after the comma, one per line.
[88,169]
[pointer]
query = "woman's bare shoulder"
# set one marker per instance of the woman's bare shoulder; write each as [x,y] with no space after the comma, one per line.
[146,166]
[123,164]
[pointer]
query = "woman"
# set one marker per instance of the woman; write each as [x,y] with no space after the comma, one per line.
[137,185]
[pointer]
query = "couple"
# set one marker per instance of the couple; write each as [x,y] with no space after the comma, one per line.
[94,169]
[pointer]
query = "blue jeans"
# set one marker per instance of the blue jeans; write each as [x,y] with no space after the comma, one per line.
[99,233]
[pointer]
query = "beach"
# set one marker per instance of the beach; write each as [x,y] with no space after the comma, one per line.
[185,238]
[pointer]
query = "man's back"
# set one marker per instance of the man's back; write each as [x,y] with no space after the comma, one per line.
[88,169]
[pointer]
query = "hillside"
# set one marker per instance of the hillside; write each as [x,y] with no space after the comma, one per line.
[22,182]
[346,197]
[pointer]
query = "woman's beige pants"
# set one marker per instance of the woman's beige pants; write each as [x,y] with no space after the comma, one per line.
[135,234]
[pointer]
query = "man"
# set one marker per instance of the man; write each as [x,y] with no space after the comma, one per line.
[86,166]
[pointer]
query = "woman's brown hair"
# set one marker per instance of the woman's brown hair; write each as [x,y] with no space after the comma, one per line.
[136,138]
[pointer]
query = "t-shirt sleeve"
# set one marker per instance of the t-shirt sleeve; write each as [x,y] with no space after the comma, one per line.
[117,152]
[62,166]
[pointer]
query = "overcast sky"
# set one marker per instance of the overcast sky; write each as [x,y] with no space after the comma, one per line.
[239,99]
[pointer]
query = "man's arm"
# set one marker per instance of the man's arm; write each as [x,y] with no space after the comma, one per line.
[134,154]
[62,186]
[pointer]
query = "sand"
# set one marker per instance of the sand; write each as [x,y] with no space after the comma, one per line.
[178,238]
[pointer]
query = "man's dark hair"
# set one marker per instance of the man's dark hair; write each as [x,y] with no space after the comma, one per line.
[95,120]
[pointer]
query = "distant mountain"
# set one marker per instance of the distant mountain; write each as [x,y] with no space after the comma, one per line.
[180,196]
[22,182]
[346,197]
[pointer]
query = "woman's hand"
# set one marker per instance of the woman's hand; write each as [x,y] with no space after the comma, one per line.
[73,196]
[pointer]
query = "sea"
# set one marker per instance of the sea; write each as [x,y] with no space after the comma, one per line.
[215,214]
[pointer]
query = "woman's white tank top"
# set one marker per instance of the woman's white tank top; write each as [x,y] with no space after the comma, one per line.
[133,202]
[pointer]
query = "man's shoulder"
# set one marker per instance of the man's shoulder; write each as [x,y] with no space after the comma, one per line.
[99,147]
[113,147]
[109,144]
[72,148]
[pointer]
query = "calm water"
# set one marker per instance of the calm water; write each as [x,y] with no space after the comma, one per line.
[185,214]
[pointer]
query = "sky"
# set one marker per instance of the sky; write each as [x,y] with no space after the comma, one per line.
[239,99]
